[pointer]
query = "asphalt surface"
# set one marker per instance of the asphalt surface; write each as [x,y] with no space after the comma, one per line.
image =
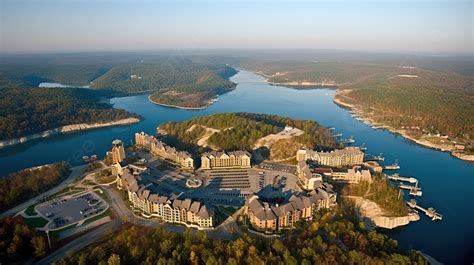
[76,172]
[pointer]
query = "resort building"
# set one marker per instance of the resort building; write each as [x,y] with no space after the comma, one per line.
[221,159]
[118,152]
[340,157]
[307,180]
[351,176]
[169,208]
[268,217]
[182,158]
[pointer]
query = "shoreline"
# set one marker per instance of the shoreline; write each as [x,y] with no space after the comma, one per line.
[67,129]
[341,93]
[179,107]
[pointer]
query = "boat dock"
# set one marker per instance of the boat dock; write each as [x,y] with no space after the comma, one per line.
[414,190]
[430,212]
[400,178]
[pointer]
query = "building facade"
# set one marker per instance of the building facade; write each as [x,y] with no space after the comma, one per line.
[118,151]
[351,176]
[235,159]
[169,209]
[182,158]
[307,180]
[267,217]
[348,156]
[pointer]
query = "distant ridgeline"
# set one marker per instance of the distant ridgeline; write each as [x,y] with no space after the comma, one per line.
[232,131]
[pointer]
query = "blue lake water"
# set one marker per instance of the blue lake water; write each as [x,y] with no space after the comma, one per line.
[446,182]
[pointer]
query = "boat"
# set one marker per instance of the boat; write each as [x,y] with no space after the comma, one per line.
[374,158]
[347,141]
[363,147]
[337,135]
[379,158]
[393,166]
[89,158]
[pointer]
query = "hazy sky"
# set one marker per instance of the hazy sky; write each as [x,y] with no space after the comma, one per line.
[77,25]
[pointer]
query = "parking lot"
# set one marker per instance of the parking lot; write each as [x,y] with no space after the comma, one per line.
[67,210]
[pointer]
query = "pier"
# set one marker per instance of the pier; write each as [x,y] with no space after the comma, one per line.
[400,178]
[414,190]
[430,212]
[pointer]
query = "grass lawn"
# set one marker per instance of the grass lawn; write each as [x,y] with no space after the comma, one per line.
[105,179]
[30,210]
[56,233]
[36,221]
[102,194]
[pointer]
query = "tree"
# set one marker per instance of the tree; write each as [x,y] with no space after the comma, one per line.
[114,259]
[39,246]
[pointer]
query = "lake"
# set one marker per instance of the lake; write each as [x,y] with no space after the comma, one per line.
[446,182]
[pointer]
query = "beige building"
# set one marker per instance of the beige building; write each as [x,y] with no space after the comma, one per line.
[235,159]
[351,176]
[264,216]
[118,151]
[340,157]
[169,209]
[307,180]
[182,158]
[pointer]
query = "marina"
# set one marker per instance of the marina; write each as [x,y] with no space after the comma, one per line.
[430,212]
[393,166]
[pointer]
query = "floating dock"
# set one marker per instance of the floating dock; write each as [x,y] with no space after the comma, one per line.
[430,212]
[404,179]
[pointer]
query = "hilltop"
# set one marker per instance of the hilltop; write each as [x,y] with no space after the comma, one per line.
[281,136]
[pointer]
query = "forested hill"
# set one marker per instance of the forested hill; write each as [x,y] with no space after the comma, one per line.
[25,111]
[182,84]
[243,130]
[400,96]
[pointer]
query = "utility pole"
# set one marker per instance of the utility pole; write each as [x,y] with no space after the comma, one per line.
[49,241]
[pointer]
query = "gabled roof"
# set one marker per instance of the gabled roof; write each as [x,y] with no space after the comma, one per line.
[186,204]
[195,207]
[205,212]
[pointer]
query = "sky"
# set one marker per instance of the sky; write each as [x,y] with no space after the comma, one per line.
[114,25]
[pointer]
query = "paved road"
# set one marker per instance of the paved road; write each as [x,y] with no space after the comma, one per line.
[125,215]
[76,172]
[82,241]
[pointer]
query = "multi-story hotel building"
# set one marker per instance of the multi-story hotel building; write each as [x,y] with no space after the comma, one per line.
[340,157]
[118,152]
[264,216]
[221,159]
[168,208]
[351,176]
[182,158]
[307,180]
